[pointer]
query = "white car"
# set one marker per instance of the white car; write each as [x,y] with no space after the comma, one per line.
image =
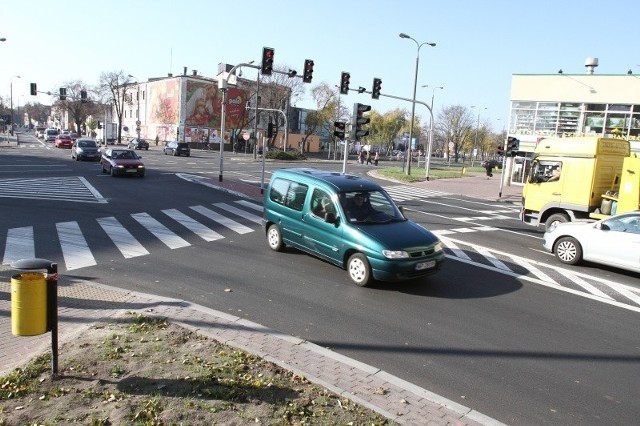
[614,241]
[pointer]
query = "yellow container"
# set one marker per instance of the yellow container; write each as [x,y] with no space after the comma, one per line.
[28,304]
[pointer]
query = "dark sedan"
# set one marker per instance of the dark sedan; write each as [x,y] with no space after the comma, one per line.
[138,144]
[122,162]
[177,148]
[85,149]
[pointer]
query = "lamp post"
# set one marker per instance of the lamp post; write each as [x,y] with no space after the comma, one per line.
[11,95]
[430,144]
[415,86]
[138,122]
[475,143]
[222,85]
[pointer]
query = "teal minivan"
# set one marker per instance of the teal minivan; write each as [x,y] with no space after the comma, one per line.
[349,221]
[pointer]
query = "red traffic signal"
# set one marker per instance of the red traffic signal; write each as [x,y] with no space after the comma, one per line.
[34,89]
[267,61]
[307,75]
[344,83]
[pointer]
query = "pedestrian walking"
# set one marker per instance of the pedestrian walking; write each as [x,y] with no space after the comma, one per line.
[157,140]
[368,154]
[489,168]
[376,158]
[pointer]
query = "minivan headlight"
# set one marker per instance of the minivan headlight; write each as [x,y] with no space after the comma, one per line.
[395,254]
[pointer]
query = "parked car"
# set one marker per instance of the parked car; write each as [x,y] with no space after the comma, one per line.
[63,141]
[177,148]
[138,144]
[614,241]
[121,162]
[85,149]
[349,221]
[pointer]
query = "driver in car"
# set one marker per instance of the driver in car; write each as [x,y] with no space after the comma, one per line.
[359,209]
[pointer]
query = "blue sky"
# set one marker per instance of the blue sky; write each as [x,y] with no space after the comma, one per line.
[480,44]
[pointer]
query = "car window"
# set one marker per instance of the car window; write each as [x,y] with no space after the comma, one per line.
[321,203]
[288,193]
[630,224]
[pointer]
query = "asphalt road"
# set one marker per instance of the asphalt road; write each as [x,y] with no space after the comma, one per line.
[496,329]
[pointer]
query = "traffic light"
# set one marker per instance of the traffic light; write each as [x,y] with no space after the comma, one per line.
[344,83]
[270,130]
[307,75]
[377,85]
[360,120]
[500,150]
[83,96]
[267,61]
[63,93]
[513,146]
[340,128]
[34,89]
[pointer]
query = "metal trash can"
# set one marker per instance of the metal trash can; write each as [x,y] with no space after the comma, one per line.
[28,304]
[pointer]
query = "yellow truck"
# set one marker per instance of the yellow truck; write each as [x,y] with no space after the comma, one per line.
[580,178]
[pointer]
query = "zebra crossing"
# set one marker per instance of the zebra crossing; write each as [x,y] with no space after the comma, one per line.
[74,188]
[198,220]
[549,275]
[401,193]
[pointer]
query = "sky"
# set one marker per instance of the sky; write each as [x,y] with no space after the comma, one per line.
[479,44]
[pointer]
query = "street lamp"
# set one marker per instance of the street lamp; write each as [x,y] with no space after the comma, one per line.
[475,144]
[430,144]
[415,86]
[11,90]
[222,85]
[138,122]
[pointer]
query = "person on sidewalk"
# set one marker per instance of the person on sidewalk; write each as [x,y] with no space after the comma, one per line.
[489,167]
[376,158]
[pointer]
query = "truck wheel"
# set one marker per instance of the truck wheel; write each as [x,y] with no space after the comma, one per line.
[274,238]
[359,269]
[554,219]
[568,250]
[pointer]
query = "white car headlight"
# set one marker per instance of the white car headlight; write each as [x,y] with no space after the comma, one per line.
[395,254]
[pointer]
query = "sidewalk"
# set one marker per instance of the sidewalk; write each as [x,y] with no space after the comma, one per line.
[82,303]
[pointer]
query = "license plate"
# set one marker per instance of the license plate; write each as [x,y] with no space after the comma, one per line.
[425,265]
[132,171]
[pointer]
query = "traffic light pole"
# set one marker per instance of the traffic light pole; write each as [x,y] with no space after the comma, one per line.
[430,143]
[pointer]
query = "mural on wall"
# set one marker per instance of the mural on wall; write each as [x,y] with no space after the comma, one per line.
[164,96]
[203,105]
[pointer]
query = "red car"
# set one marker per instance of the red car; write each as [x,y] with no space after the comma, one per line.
[63,141]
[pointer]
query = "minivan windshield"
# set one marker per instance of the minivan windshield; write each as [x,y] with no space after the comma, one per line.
[369,207]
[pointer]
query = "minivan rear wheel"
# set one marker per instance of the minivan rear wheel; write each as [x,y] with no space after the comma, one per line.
[359,269]
[274,238]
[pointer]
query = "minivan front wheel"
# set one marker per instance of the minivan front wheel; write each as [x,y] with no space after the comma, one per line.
[274,238]
[359,269]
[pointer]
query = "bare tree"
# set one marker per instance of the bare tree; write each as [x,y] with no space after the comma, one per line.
[112,89]
[455,124]
[77,108]
[279,91]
